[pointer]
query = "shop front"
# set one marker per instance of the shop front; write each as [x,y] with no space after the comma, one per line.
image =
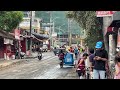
[115,29]
[7,48]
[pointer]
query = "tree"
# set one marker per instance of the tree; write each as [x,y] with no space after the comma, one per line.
[94,35]
[85,18]
[90,23]
[9,20]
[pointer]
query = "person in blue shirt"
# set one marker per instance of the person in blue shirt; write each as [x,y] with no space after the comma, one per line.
[76,52]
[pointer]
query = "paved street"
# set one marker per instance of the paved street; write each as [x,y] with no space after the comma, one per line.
[47,68]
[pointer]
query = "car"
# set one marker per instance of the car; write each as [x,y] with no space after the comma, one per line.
[44,48]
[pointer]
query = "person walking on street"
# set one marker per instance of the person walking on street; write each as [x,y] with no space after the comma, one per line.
[76,52]
[91,59]
[100,59]
[81,66]
[61,57]
[117,66]
[39,52]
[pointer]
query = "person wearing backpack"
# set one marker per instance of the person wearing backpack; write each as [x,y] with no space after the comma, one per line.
[81,66]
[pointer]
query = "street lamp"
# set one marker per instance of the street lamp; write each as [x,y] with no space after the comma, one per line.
[51,22]
[59,28]
[69,30]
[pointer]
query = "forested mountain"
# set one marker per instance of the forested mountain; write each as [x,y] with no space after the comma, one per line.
[60,21]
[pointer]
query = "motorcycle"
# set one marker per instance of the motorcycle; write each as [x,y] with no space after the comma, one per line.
[39,56]
[22,54]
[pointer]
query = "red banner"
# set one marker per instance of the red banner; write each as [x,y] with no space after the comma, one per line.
[104,13]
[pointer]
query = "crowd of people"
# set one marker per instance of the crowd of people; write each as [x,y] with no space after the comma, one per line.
[98,59]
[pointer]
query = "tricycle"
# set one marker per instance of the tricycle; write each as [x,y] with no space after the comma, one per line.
[68,60]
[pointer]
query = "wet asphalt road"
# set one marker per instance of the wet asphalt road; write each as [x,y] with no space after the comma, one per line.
[47,68]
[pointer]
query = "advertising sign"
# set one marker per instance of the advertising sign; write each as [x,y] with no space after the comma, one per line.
[8,41]
[104,13]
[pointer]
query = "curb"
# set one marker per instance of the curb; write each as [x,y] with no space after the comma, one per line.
[11,64]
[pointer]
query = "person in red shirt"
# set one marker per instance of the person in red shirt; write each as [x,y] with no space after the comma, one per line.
[81,66]
[71,50]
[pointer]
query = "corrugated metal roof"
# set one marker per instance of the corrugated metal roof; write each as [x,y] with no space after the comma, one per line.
[6,35]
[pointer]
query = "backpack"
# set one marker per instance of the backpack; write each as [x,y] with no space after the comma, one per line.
[61,56]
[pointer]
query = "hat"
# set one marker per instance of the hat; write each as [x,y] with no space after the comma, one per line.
[99,44]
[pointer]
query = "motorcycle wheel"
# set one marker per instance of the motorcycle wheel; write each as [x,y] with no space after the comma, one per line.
[61,65]
[39,57]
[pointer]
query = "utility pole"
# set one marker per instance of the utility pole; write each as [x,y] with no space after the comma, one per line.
[59,35]
[19,45]
[50,29]
[109,46]
[68,30]
[30,31]
[70,34]
[53,32]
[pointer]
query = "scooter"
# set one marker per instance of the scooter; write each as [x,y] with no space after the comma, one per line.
[22,54]
[39,56]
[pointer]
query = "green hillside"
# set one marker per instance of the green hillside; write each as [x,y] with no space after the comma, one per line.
[59,21]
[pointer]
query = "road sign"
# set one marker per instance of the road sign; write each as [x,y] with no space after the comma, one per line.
[104,13]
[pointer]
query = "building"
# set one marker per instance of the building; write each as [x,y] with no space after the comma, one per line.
[64,39]
[7,45]
[37,38]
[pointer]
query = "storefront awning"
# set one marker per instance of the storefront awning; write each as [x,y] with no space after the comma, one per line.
[40,36]
[115,23]
[115,20]
[6,35]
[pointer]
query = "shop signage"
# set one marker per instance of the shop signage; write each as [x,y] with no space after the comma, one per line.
[8,41]
[104,13]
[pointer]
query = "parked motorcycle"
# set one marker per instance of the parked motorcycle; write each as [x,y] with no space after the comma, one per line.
[22,54]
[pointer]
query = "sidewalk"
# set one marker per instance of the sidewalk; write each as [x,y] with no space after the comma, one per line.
[9,63]
[4,64]
[72,74]
[34,55]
